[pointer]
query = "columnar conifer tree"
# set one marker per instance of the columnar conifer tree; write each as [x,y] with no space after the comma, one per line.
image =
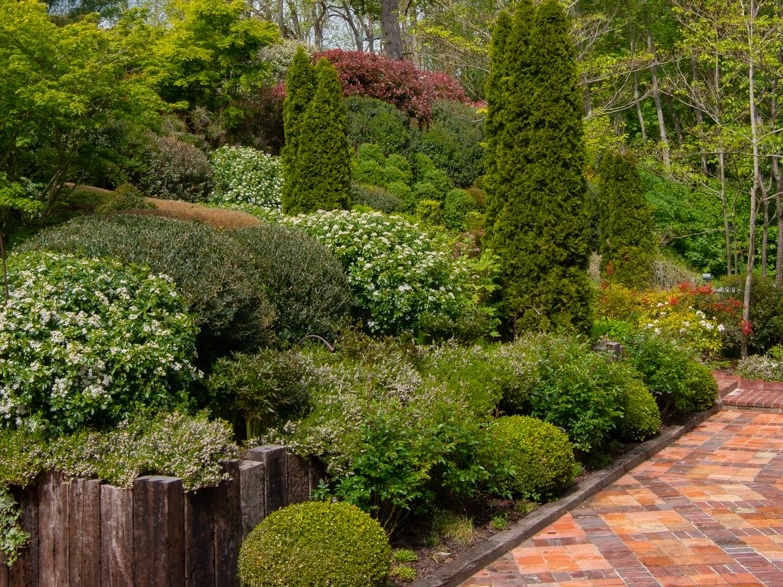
[628,242]
[300,84]
[323,162]
[542,231]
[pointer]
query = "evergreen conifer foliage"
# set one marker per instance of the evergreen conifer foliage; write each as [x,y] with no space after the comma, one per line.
[323,163]
[542,229]
[629,244]
[300,84]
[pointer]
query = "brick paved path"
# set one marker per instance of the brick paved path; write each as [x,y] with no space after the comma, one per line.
[708,510]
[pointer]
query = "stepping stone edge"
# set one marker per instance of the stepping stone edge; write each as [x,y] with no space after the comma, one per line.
[476,558]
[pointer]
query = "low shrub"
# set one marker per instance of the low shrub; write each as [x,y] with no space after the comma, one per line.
[85,342]
[316,543]
[766,313]
[263,389]
[175,170]
[768,367]
[702,389]
[125,197]
[374,121]
[243,175]
[430,212]
[304,282]
[527,458]
[456,206]
[229,305]
[376,197]
[641,418]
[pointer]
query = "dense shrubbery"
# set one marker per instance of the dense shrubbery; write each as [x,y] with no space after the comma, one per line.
[528,458]
[376,197]
[301,278]
[246,176]
[768,367]
[373,121]
[175,170]
[641,418]
[84,343]
[229,305]
[316,543]
[766,313]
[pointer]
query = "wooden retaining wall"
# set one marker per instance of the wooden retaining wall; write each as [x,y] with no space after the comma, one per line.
[89,534]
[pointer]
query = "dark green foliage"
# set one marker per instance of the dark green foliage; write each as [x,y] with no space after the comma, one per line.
[173,169]
[373,121]
[421,166]
[641,417]
[376,197]
[527,458]
[230,306]
[302,280]
[405,194]
[301,83]
[453,141]
[542,233]
[258,391]
[766,313]
[628,244]
[424,190]
[440,180]
[125,197]
[702,389]
[316,543]
[456,206]
[323,160]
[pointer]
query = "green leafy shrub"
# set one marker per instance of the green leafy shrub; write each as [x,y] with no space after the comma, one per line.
[175,170]
[457,205]
[404,193]
[397,168]
[440,180]
[84,341]
[376,197]
[766,313]
[230,307]
[301,278]
[125,197]
[246,176]
[430,212]
[527,458]
[641,418]
[316,543]
[264,389]
[373,121]
[370,172]
[702,389]
[767,367]
[394,270]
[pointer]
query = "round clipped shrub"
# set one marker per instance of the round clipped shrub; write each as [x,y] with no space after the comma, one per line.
[457,205]
[301,277]
[244,175]
[702,389]
[83,342]
[641,418]
[527,458]
[229,305]
[376,197]
[316,543]
[175,170]
[395,272]
[373,121]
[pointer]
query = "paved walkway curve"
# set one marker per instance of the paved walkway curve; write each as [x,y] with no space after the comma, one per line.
[707,510]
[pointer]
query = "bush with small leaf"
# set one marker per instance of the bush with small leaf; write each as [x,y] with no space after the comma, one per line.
[243,175]
[125,197]
[376,197]
[767,367]
[175,170]
[315,543]
[641,418]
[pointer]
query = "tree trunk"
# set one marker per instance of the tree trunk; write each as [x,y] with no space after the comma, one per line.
[724,207]
[656,93]
[390,29]
[697,109]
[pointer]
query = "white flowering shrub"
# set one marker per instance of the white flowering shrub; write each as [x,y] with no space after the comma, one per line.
[396,272]
[82,342]
[246,176]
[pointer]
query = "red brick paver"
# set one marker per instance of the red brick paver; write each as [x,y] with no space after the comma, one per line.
[708,510]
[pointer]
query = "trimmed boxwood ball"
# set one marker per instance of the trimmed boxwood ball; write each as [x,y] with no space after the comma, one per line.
[527,457]
[702,389]
[641,417]
[316,544]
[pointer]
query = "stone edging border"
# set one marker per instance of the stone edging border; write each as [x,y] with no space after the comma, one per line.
[473,560]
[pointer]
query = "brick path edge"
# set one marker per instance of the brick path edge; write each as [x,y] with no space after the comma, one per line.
[476,558]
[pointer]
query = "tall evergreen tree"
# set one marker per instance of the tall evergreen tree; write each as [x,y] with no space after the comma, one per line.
[542,232]
[628,241]
[300,85]
[495,93]
[324,154]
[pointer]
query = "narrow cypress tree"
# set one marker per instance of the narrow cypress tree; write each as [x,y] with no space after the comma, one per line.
[542,232]
[628,241]
[324,157]
[300,84]
[495,93]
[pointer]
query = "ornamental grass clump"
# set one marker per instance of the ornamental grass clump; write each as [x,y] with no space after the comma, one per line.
[84,342]
[316,543]
[244,175]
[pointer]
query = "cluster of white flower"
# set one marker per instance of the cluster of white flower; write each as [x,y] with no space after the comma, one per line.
[395,270]
[75,349]
[246,176]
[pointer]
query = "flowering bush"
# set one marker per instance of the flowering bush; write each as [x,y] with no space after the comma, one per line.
[396,272]
[768,367]
[397,82]
[246,176]
[82,342]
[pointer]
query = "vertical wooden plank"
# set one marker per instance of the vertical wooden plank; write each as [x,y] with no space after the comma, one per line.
[25,570]
[85,532]
[298,482]
[53,531]
[228,527]
[116,537]
[276,476]
[158,532]
[251,490]
[199,539]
